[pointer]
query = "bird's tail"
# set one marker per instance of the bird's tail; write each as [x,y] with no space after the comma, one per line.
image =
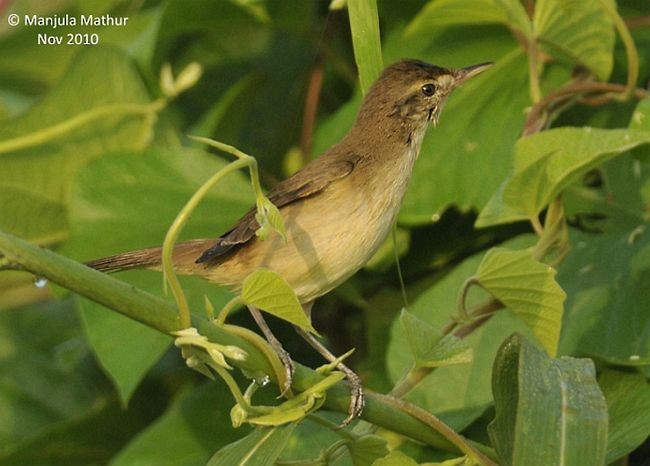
[184,257]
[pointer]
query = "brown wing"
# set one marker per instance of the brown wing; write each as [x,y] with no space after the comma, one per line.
[309,181]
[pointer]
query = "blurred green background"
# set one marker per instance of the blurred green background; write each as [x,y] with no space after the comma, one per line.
[82,385]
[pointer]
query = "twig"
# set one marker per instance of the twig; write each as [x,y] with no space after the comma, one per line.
[535,119]
[436,424]
[311,107]
[637,22]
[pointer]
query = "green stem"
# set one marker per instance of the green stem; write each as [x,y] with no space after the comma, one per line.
[230,382]
[251,163]
[630,48]
[535,88]
[461,307]
[436,424]
[227,308]
[47,134]
[347,435]
[163,316]
[399,267]
[173,232]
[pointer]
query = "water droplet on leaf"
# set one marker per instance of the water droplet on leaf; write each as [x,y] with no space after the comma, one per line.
[40,282]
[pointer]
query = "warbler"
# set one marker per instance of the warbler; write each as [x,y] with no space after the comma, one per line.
[337,210]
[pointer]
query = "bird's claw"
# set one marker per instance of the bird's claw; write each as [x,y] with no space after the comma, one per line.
[289,369]
[357,398]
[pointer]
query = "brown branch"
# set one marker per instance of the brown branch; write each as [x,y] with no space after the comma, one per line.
[311,107]
[539,113]
[637,22]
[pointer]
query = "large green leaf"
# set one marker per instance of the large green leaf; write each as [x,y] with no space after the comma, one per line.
[628,403]
[32,69]
[259,448]
[195,425]
[54,403]
[548,411]
[124,201]
[124,348]
[607,280]
[36,179]
[528,288]
[442,12]
[127,201]
[364,25]
[580,30]
[547,162]
[607,276]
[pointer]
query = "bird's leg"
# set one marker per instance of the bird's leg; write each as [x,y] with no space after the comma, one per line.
[284,356]
[356,390]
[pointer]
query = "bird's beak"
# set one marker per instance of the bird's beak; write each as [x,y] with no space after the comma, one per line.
[463,74]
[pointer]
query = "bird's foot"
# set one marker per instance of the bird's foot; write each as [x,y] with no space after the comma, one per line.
[357,398]
[289,369]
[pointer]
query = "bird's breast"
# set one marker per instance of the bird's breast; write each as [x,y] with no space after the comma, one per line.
[331,235]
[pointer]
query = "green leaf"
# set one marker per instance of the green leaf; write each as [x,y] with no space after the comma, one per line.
[628,404]
[548,411]
[54,403]
[125,349]
[528,288]
[606,278]
[365,450]
[268,291]
[187,433]
[125,201]
[547,162]
[395,458]
[457,394]
[364,24]
[259,448]
[97,77]
[428,345]
[443,12]
[580,30]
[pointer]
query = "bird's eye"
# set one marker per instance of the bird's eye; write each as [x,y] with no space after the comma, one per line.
[428,89]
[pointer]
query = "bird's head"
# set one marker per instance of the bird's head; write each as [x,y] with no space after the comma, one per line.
[414,92]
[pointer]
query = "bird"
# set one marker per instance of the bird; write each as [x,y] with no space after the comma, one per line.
[337,210]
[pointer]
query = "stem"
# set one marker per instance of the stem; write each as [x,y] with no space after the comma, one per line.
[311,108]
[173,232]
[230,305]
[436,424]
[230,382]
[630,48]
[537,225]
[163,316]
[347,435]
[478,316]
[47,134]
[250,162]
[400,276]
[537,113]
[462,297]
[535,89]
